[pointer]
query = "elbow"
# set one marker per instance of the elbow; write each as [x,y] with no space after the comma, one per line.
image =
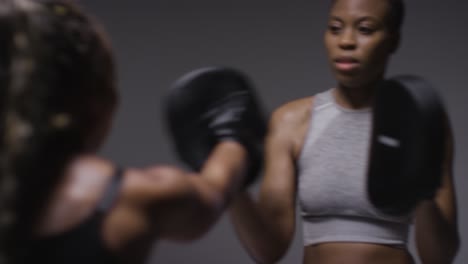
[195,225]
[452,247]
[198,216]
[270,259]
[266,260]
[271,252]
[455,247]
[203,218]
[446,253]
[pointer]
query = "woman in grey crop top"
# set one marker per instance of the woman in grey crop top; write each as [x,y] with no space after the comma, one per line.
[316,153]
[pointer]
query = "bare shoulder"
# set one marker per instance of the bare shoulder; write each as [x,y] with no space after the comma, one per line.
[89,166]
[292,114]
[85,177]
[289,124]
[79,189]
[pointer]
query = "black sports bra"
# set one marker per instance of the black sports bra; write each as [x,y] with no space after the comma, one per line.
[82,244]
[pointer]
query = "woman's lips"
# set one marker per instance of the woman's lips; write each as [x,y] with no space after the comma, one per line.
[346,64]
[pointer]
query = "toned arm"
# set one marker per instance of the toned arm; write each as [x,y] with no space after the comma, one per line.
[165,202]
[266,226]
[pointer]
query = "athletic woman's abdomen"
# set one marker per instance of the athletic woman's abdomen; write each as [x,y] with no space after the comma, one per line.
[355,253]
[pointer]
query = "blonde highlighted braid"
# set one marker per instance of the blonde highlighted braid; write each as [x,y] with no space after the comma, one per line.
[56,77]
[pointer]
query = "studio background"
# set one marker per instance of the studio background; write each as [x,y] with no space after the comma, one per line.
[279,44]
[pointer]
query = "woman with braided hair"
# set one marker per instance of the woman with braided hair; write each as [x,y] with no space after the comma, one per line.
[60,203]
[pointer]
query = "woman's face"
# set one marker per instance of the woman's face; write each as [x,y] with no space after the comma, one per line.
[359,41]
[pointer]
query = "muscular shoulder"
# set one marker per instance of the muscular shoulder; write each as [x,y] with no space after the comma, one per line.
[85,177]
[291,115]
[89,165]
[76,194]
[289,123]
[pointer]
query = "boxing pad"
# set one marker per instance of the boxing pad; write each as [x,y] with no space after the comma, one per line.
[407,144]
[209,105]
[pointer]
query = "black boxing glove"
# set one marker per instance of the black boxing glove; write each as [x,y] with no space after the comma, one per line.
[407,145]
[208,105]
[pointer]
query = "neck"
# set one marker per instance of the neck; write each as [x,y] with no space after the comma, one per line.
[355,97]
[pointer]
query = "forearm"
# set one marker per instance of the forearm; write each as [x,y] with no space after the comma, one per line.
[207,194]
[195,201]
[260,235]
[224,171]
[437,237]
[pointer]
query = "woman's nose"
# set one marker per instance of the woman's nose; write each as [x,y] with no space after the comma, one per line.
[347,40]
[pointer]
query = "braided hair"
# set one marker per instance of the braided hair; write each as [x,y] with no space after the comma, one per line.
[56,88]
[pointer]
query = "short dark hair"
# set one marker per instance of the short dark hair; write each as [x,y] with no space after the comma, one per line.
[396,15]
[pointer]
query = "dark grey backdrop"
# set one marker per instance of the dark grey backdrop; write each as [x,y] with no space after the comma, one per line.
[280,46]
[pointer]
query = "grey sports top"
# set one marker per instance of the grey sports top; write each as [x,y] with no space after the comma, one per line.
[332,180]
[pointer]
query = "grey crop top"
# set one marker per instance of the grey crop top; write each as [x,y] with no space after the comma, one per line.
[332,180]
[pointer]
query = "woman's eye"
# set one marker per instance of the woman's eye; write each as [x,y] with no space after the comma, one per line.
[366,30]
[334,29]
